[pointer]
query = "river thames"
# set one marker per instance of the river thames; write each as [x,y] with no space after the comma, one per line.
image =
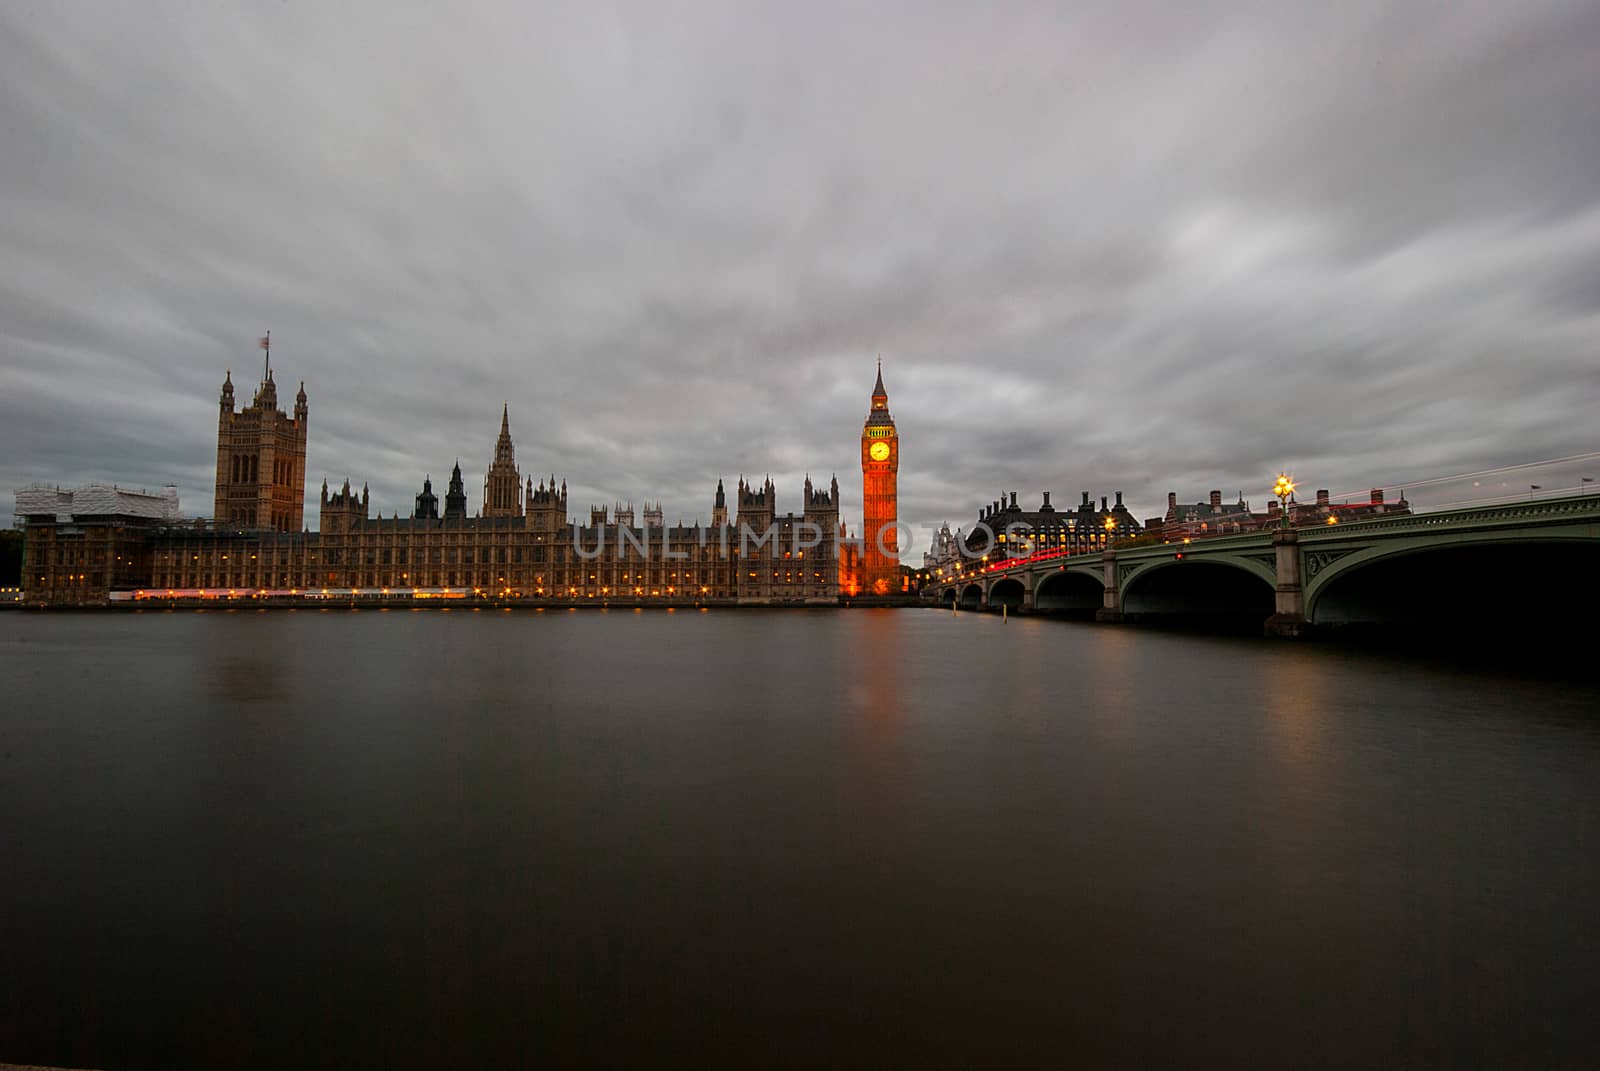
[382,838]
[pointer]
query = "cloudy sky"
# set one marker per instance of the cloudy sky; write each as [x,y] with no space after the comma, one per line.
[1100,246]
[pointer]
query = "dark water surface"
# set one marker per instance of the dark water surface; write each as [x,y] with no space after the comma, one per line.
[383,838]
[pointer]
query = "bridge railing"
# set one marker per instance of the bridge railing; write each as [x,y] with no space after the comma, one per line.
[1574,507]
[1094,557]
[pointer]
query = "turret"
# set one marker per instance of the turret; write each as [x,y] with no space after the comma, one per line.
[546,507]
[342,509]
[455,498]
[227,392]
[755,507]
[719,508]
[267,393]
[427,502]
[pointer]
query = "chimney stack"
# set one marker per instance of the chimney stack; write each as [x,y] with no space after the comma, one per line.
[1013,500]
[1046,502]
[1119,499]
[1172,500]
[1272,507]
[1322,498]
[1216,500]
[1377,496]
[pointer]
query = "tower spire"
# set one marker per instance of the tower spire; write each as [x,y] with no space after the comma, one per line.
[502,484]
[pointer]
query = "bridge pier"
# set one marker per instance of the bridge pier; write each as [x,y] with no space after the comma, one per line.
[1289,599]
[1111,602]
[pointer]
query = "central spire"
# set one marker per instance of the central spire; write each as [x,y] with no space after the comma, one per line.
[504,453]
[502,485]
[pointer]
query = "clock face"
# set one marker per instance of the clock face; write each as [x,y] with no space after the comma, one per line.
[879,451]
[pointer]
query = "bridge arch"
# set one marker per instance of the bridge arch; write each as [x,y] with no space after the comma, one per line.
[1069,591]
[1216,591]
[949,596]
[1007,592]
[972,597]
[1477,582]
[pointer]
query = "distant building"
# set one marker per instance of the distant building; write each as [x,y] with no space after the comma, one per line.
[1215,517]
[945,552]
[83,544]
[1207,518]
[1005,529]
[758,556]
[1322,511]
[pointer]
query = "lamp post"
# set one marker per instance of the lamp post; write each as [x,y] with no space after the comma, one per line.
[1111,597]
[1289,599]
[1283,489]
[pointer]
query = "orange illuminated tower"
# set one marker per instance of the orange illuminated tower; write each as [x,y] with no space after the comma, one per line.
[880,464]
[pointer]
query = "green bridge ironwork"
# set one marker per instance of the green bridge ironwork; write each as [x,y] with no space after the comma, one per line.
[1298,565]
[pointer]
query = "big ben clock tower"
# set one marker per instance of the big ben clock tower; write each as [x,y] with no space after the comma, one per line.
[880,463]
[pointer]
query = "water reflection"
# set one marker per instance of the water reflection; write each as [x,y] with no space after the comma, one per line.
[1297,691]
[478,836]
[247,678]
[878,662]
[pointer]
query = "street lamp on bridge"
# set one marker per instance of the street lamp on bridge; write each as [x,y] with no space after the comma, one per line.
[1283,489]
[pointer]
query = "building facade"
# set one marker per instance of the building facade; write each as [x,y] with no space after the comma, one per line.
[82,545]
[1007,530]
[759,556]
[1215,517]
[523,545]
[261,460]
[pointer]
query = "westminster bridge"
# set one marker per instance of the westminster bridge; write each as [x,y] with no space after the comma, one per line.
[1537,562]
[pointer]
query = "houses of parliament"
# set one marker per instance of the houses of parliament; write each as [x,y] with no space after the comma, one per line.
[103,544]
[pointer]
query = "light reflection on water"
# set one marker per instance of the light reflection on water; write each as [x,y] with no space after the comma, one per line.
[385,838]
